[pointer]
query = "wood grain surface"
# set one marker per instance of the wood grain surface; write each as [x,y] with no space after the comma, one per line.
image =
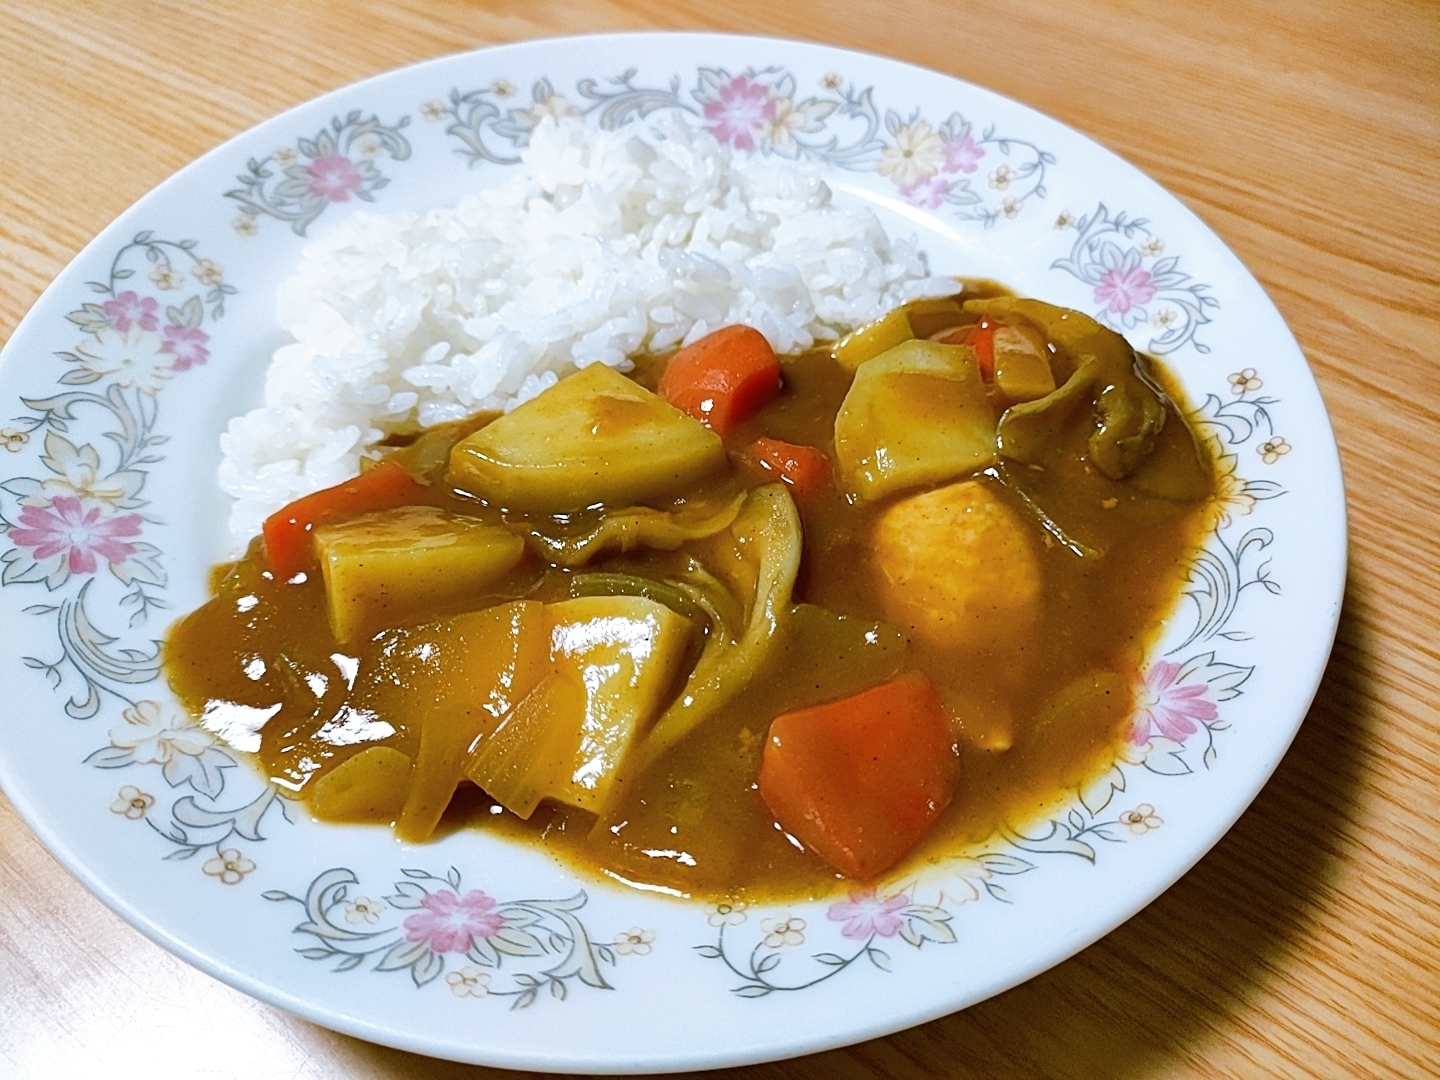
[1306,134]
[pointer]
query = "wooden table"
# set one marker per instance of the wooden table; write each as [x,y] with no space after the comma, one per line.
[1307,134]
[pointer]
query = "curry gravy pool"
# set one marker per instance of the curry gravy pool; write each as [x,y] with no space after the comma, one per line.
[1039,697]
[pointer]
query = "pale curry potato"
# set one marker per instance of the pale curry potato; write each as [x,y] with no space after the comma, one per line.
[958,568]
[732,625]
[597,437]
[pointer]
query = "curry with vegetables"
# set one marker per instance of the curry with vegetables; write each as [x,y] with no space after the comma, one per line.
[733,623]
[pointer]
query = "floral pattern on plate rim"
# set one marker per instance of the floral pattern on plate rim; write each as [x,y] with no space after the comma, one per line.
[76,528]
[469,926]
[1133,282]
[931,164]
[331,167]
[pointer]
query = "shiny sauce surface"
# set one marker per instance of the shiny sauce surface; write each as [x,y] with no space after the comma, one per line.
[259,665]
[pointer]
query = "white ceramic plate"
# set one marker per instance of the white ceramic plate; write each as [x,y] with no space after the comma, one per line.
[117,384]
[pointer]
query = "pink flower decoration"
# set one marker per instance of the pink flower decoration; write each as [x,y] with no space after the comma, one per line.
[1172,710]
[334,177]
[451,923]
[129,309]
[962,155]
[79,531]
[927,194]
[866,915]
[743,109]
[187,345]
[1121,288]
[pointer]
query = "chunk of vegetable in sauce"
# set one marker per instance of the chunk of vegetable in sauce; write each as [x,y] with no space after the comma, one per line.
[626,652]
[915,415]
[873,339]
[386,568]
[503,651]
[595,437]
[913,320]
[628,529]
[1022,363]
[957,567]
[722,379]
[613,660]
[369,786]
[531,754]
[804,469]
[765,555]
[859,781]
[287,531]
[1128,413]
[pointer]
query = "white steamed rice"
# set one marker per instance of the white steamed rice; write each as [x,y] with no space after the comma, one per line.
[604,244]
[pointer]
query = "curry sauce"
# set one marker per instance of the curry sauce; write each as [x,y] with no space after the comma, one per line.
[1034,716]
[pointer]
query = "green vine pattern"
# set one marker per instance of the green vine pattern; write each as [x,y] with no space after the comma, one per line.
[514,951]
[76,524]
[929,163]
[297,184]
[1134,283]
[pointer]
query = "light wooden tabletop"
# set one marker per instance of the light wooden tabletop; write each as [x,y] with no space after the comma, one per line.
[1305,133]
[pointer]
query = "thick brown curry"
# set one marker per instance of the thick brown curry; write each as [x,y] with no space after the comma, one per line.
[1037,703]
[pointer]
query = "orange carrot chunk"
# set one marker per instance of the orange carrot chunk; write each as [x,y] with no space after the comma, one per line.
[287,531]
[804,468]
[981,338]
[723,379]
[860,781]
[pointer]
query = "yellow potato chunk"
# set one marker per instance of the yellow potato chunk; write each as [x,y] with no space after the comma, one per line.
[958,568]
[872,339]
[595,437]
[367,787]
[389,567]
[915,415]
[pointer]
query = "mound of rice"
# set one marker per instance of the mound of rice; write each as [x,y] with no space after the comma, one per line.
[604,244]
